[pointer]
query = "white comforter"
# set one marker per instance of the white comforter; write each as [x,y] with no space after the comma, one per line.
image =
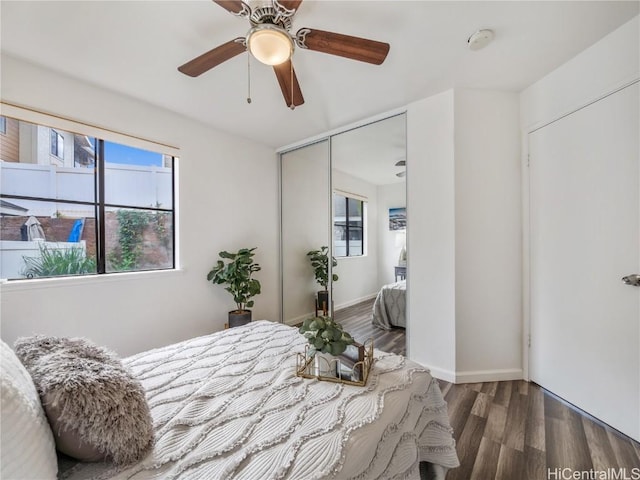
[229,406]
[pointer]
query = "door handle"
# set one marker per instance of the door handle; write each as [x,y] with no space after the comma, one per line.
[633,280]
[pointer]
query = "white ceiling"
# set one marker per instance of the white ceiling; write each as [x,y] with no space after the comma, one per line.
[371,152]
[134,47]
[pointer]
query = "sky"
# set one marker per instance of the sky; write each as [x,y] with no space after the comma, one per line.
[118,153]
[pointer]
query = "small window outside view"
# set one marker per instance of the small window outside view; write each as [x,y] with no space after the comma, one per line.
[348,226]
[52,219]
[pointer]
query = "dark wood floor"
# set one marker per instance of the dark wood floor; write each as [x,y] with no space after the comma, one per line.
[357,321]
[517,430]
[514,430]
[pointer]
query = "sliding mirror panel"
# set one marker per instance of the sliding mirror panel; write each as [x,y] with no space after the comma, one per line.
[369,222]
[305,217]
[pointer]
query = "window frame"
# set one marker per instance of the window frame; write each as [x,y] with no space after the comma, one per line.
[363,209]
[100,136]
[56,142]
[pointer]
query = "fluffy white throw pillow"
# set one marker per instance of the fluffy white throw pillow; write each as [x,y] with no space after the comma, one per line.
[28,450]
[97,410]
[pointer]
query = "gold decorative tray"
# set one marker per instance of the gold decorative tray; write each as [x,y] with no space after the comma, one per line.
[351,367]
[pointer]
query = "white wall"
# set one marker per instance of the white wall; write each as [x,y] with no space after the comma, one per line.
[464,252]
[467,204]
[389,196]
[431,234]
[357,276]
[608,64]
[228,199]
[488,269]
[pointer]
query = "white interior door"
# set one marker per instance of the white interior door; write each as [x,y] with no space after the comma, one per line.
[585,217]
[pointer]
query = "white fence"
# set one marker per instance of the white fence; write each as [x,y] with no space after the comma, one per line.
[141,186]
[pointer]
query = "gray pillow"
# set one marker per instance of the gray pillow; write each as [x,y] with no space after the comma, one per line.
[96,409]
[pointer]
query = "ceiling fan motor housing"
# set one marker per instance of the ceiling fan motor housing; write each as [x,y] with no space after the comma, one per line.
[266,13]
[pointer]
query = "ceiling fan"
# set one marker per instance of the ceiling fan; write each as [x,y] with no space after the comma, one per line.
[269,40]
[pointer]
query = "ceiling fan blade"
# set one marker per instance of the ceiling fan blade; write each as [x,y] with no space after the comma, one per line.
[285,74]
[237,7]
[347,46]
[286,7]
[214,57]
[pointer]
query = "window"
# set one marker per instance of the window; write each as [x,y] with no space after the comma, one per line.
[109,209]
[348,226]
[3,125]
[57,144]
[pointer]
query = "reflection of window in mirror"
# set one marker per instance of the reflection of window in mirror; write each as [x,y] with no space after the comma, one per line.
[348,226]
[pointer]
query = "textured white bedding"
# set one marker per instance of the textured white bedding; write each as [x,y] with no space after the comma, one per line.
[229,406]
[389,308]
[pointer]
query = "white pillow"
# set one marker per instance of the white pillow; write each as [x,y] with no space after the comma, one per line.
[27,447]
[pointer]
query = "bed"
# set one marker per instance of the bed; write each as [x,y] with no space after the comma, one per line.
[389,308]
[229,406]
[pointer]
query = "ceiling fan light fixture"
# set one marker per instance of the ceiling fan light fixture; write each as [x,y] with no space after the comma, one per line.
[270,44]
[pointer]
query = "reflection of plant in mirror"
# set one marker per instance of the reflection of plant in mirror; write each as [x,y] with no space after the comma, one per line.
[325,335]
[59,261]
[320,263]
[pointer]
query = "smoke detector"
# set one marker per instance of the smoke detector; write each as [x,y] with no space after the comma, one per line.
[480,39]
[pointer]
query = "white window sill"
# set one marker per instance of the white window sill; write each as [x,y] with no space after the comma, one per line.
[351,258]
[64,282]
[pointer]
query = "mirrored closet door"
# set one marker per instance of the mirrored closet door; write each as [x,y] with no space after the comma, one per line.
[348,193]
[305,213]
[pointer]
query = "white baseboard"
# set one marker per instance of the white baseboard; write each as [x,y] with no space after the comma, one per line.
[477,376]
[441,374]
[356,301]
[480,376]
[303,317]
[298,319]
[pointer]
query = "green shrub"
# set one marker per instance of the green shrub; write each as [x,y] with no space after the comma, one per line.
[57,261]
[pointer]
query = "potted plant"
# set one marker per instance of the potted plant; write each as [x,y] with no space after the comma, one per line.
[236,274]
[325,335]
[320,263]
[326,338]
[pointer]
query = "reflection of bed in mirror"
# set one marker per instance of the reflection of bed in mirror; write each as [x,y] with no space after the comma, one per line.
[390,306]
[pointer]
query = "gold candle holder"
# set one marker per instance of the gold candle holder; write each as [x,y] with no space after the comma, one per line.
[351,367]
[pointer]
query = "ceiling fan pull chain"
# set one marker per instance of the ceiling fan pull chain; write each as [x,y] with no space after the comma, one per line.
[248,77]
[292,106]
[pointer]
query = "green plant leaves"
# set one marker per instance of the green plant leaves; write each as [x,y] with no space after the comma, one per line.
[236,274]
[325,335]
[54,261]
[320,263]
